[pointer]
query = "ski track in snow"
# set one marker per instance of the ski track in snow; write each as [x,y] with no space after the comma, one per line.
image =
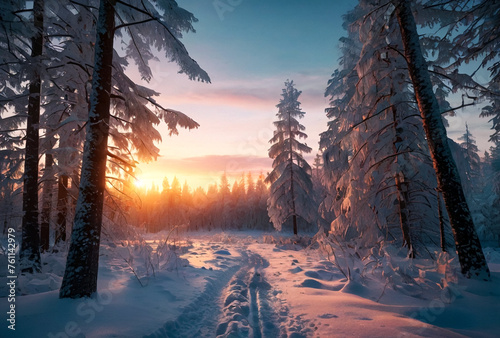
[237,303]
[199,318]
[246,310]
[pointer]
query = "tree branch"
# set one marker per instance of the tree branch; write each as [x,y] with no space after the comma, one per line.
[133,24]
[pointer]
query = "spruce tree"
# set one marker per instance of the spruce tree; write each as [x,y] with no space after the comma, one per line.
[375,163]
[291,192]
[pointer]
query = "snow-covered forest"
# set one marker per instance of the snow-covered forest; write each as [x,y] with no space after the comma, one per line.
[388,227]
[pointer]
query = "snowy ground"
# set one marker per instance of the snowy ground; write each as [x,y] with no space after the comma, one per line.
[246,284]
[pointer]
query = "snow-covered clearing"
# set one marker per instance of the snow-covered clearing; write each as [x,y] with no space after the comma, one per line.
[249,284]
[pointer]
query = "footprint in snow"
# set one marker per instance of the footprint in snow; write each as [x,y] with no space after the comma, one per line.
[312,274]
[320,274]
[222,252]
[311,283]
[314,284]
[327,316]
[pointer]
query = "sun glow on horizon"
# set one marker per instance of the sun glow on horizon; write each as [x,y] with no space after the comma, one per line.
[193,181]
[195,175]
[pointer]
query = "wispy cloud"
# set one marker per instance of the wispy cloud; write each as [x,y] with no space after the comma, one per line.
[255,91]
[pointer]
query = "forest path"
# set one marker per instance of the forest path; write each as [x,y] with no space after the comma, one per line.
[238,303]
[246,308]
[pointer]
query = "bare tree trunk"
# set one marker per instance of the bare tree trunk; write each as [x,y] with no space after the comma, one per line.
[30,245]
[402,192]
[80,276]
[470,254]
[62,209]
[404,219]
[292,191]
[441,221]
[46,203]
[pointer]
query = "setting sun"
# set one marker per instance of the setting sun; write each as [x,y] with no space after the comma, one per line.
[139,183]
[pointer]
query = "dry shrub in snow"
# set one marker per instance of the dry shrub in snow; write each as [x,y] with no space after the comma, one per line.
[386,266]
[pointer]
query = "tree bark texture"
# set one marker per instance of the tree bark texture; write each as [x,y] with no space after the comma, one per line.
[402,191]
[48,186]
[441,222]
[294,212]
[62,209]
[30,245]
[80,276]
[472,261]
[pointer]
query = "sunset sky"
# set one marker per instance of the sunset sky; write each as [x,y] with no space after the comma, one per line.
[250,48]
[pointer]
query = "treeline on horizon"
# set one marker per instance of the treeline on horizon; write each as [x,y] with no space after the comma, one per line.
[227,205]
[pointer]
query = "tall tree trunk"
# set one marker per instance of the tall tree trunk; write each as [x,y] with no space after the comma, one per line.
[404,219]
[402,191]
[30,244]
[292,192]
[470,254]
[441,221]
[62,209]
[48,184]
[294,219]
[80,276]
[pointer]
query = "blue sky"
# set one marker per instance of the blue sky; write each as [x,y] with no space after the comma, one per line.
[250,48]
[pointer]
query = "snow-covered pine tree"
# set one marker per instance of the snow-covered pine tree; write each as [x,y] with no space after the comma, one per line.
[222,208]
[470,254]
[12,109]
[161,25]
[174,203]
[484,41]
[493,109]
[262,220]
[471,180]
[70,30]
[252,201]
[341,88]
[291,192]
[21,43]
[376,166]
[468,34]
[238,205]
[186,203]
[472,30]
[21,40]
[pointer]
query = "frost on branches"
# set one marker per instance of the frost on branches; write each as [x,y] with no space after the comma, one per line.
[469,250]
[291,192]
[80,277]
[377,165]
